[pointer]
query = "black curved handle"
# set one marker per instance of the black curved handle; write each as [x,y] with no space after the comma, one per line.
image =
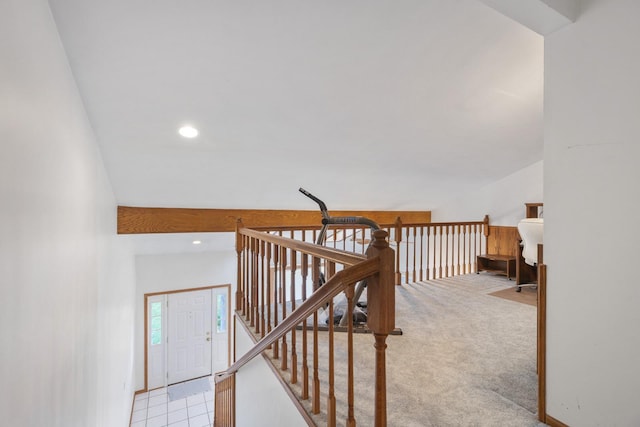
[323,207]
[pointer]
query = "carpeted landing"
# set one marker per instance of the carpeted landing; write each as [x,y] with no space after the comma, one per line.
[465,358]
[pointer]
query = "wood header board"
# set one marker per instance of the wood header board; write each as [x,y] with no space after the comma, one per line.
[137,220]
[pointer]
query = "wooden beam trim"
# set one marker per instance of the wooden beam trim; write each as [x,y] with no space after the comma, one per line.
[140,220]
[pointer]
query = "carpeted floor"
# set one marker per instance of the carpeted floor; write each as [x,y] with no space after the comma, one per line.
[465,358]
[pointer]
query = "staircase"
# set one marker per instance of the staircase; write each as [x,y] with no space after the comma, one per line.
[279,299]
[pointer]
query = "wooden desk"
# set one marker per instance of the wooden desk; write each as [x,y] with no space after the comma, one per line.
[501,264]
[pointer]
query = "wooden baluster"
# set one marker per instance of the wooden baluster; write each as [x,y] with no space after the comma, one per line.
[388,230]
[276,286]
[263,303]
[304,272]
[283,295]
[447,265]
[354,238]
[366,237]
[428,251]
[440,249]
[479,247]
[415,243]
[249,275]
[354,241]
[331,398]
[232,401]
[315,405]
[245,279]
[351,421]
[241,278]
[421,252]
[269,288]
[459,271]
[225,406]
[474,266]
[435,252]
[381,317]
[254,288]
[406,254]
[305,362]
[294,354]
[398,238]
[465,249]
[260,321]
[344,239]
[330,270]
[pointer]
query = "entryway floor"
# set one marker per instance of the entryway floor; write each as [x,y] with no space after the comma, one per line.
[153,409]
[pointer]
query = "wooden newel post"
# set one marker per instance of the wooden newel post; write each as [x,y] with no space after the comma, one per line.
[485,221]
[240,278]
[381,309]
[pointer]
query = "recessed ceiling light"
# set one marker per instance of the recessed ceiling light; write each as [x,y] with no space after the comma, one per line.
[188,131]
[196,242]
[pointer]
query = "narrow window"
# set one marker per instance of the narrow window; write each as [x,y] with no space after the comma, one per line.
[221,320]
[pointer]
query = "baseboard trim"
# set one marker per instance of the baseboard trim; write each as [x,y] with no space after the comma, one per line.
[133,402]
[552,422]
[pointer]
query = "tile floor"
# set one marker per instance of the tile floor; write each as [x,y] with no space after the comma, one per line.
[153,409]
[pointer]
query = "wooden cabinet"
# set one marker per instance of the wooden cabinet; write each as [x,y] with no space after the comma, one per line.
[501,264]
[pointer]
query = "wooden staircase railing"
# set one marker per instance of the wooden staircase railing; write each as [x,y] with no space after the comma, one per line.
[281,303]
[424,251]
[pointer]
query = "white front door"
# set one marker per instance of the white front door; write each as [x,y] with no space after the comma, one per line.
[189,343]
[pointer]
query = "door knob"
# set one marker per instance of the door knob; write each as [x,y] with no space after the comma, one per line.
[208,338]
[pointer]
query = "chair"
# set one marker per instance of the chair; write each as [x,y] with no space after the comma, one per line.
[531,233]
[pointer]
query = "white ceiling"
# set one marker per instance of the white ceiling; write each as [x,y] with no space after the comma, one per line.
[369,104]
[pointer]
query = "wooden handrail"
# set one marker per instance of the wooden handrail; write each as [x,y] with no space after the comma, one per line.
[348,226]
[269,304]
[443,224]
[330,254]
[338,283]
[425,250]
[268,268]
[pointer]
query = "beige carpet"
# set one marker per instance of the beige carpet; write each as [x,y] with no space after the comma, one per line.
[466,358]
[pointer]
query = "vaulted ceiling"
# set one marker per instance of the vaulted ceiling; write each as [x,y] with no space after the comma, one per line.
[370,104]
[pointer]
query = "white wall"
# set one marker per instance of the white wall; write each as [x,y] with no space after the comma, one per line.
[66,280]
[158,273]
[591,174]
[502,200]
[254,382]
